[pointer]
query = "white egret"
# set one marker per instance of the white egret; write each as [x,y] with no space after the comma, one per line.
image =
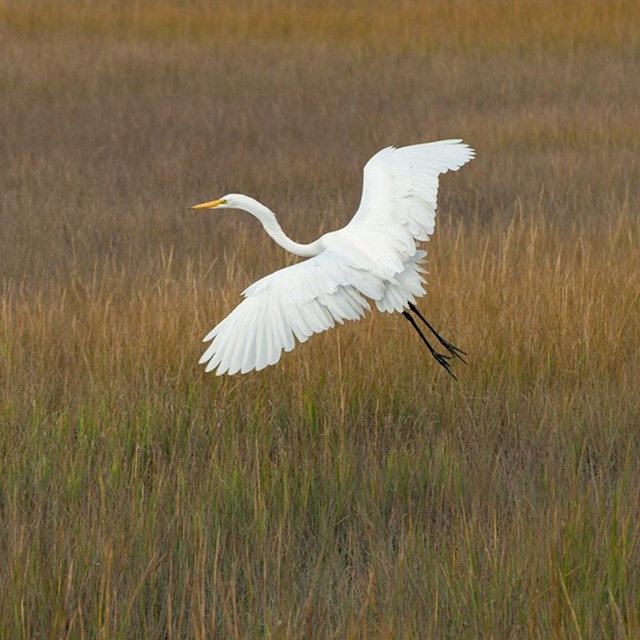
[373,257]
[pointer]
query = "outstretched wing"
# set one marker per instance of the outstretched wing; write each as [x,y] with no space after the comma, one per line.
[400,189]
[288,305]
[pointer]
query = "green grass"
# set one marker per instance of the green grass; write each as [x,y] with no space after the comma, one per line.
[353,491]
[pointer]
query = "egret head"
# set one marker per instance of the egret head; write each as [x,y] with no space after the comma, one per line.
[230,201]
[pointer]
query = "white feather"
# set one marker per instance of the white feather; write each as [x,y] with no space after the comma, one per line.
[375,256]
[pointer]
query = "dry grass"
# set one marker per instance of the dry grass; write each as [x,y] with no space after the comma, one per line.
[354,490]
[405,25]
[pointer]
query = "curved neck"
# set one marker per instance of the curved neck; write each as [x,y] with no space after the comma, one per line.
[271,226]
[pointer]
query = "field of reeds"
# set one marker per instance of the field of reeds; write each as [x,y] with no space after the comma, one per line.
[355,490]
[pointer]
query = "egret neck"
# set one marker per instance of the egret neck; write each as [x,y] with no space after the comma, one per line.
[271,226]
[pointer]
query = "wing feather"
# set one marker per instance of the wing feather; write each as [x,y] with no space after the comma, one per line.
[400,192]
[286,306]
[398,209]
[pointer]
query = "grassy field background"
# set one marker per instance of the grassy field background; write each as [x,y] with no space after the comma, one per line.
[353,491]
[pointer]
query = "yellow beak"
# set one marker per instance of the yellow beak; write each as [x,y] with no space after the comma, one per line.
[212,204]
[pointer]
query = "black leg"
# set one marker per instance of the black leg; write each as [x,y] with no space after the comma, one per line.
[441,359]
[452,349]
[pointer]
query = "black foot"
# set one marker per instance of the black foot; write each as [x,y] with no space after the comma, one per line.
[456,352]
[441,358]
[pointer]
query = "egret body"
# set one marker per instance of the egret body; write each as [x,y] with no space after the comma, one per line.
[373,258]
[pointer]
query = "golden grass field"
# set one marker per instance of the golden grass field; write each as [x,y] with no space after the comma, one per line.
[354,490]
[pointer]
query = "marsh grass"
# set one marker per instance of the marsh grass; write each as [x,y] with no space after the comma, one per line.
[354,490]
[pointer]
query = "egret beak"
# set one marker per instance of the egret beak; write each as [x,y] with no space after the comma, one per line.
[212,204]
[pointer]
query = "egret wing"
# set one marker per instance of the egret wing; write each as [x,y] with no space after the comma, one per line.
[288,305]
[399,193]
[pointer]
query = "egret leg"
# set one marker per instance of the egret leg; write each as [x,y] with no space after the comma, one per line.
[452,349]
[440,358]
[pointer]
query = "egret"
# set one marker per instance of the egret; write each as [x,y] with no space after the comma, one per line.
[374,257]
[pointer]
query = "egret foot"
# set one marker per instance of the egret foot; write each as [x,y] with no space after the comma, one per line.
[441,358]
[451,348]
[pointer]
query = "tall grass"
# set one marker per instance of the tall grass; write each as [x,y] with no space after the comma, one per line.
[405,25]
[354,490]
